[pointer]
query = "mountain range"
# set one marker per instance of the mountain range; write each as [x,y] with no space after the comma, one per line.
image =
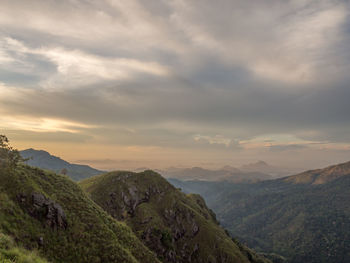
[247,173]
[302,218]
[298,218]
[113,217]
[224,174]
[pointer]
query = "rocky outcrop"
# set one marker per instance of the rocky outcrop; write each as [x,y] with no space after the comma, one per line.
[179,224]
[45,210]
[179,228]
[123,203]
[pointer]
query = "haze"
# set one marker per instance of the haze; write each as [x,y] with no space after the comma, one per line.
[124,84]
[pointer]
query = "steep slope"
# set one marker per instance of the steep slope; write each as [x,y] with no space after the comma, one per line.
[50,213]
[178,227]
[10,253]
[305,218]
[45,160]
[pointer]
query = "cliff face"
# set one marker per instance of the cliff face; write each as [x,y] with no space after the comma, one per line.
[177,227]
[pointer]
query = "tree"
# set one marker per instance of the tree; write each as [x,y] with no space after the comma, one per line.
[9,157]
[64,171]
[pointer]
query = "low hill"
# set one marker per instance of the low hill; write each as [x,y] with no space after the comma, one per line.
[176,226]
[304,218]
[50,213]
[44,160]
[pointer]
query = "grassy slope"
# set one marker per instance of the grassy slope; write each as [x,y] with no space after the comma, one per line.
[91,236]
[10,253]
[214,244]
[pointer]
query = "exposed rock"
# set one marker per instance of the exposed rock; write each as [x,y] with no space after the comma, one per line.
[195,228]
[41,241]
[170,223]
[45,210]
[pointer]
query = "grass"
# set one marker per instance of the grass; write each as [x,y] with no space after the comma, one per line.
[10,253]
[91,236]
[160,199]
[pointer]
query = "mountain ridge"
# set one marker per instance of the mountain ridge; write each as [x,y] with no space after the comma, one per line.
[50,213]
[177,227]
[44,160]
[320,176]
[303,217]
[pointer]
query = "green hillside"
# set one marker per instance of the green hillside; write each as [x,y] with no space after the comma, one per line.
[305,217]
[10,253]
[178,227]
[50,213]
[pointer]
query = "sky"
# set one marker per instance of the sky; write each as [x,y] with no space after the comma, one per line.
[159,83]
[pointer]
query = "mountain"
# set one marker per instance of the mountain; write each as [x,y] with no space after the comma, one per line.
[45,217]
[321,176]
[227,173]
[177,227]
[231,169]
[44,160]
[304,217]
[263,167]
[252,167]
[51,214]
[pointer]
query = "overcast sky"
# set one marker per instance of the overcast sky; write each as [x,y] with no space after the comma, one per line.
[123,84]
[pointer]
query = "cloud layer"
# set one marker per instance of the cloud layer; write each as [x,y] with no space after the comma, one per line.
[180,81]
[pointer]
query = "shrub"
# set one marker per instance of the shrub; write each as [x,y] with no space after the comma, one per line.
[9,157]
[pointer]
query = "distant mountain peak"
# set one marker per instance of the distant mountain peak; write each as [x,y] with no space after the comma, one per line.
[230,168]
[261,163]
[257,164]
[31,150]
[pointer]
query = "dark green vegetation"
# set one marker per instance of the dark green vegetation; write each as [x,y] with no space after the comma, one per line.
[304,218]
[44,160]
[178,227]
[45,217]
[10,253]
[50,213]
[9,157]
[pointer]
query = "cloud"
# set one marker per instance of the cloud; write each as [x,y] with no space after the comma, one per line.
[178,74]
[286,147]
[41,125]
[217,139]
[75,68]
